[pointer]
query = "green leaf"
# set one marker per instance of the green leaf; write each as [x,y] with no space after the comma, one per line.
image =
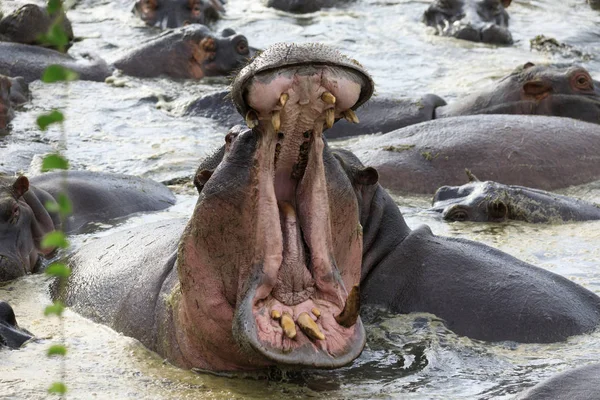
[64,204]
[47,119]
[58,387]
[52,206]
[56,36]
[57,73]
[57,350]
[54,309]
[55,239]
[54,161]
[58,269]
[54,6]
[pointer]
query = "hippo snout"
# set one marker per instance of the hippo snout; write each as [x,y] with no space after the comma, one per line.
[488,33]
[10,268]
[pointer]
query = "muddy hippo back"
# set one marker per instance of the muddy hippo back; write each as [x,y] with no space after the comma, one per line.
[542,152]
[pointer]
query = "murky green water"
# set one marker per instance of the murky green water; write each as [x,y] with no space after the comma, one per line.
[137,127]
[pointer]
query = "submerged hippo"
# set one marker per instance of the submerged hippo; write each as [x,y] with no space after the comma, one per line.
[543,152]
[27,23]
[11,335]
[475,20]
[268,268]
[96,197]
[581,383]
[191,52]
[302,6]
[177,13]
[494,202]
[529,89]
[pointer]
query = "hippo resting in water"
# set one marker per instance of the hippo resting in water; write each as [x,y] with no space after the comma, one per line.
[302,6]
[11,335]
[494,202]
[177,13]
[267,270]
[581,383]
[13,92]
[528,90]
[191,52]
[475,20]
[96,197]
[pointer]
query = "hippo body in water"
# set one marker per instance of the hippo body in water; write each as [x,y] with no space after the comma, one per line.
[495,202]
[302,6]
[581,383]
[191,52]
[474,20]
[96,197]
[268,268]
[528,90]
[177,13]
[11,335]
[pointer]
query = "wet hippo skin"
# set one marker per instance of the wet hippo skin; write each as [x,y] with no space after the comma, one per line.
[581,383]
[11,335]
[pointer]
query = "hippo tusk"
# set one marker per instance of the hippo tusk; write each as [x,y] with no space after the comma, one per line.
[316,312]
[349,314]
[288,325]
[310,327]
[350,116]
[283,99]
[275,314]
[329,117]
[251,119]
[276,120]
[328,98]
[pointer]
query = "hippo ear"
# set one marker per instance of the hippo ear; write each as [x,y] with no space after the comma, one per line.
[367,176]
[471,176]
[21,186]
[201,178]
[528,64]
[505,3]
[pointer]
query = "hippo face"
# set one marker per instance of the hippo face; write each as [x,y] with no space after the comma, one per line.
[11,335]
[536,82]
[269,264]
[476,201]
[475,20]
[6,111]
[175,13]
[224,54]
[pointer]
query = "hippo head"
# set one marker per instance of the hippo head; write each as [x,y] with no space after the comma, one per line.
[23,223]
[175,13]
[269,264]
[299,6]
[475,201]
[6,111]
[475,20]
[11,335]
[29,22]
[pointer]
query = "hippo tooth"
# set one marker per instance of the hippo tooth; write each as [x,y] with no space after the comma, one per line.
[349,314]
[309,327]
[283,99]
[288,325]
[329,117]
[251,119]
[275,314]
[316,312]
[328,98]
[276,120]
[350,115]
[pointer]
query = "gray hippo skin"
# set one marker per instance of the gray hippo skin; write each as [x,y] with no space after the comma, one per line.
[177,13]
[13,92]
[581,383]
[96,197]
[27,23]
[495,202]
[535,151]
[475,20]
[267,270]
[11,335]
[302,6]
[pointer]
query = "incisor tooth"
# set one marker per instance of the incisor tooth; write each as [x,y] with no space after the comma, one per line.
[276,120]
[251,119]
[316,312]
[283,99]
[350,115]
[328,98]
[275,314]
[309,327]
[329,117]
[288,325]
[349,314]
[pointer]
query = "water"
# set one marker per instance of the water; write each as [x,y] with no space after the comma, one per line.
[136,126]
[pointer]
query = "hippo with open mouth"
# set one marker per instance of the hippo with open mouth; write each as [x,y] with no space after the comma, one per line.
[268,268]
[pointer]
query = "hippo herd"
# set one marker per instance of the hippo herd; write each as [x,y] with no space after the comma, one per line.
[291,235]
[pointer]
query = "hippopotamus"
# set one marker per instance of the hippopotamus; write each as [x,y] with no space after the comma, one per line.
[11,335]
[529,89]
[582,383]
[528,150]
[288,238]
[495,202]
[177,13]
[192,53]
[301,6]
[28,23]
[96,197]
[13,92]
[474,20]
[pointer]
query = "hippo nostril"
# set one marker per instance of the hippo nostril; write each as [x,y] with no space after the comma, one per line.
[497,211]
[241,45]
[227,32]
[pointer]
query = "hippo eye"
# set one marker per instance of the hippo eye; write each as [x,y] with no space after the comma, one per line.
[242,47]
[16,212]
[458,214]
[583,81]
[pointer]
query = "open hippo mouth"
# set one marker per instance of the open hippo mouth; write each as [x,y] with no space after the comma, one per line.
[295,296]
